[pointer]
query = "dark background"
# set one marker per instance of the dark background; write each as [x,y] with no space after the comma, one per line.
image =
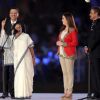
[43,21]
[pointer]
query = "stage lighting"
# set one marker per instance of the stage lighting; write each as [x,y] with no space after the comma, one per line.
[88,1]
[37,60]
[46,61]
[50,54]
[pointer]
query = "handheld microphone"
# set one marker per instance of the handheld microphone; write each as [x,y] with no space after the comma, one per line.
[15,31]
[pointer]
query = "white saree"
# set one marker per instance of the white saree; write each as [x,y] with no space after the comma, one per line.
[23,82]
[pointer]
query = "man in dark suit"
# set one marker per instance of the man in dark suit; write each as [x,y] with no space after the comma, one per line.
[6,37]
[94,50]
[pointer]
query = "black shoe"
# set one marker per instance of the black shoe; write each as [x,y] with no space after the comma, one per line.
[93,97]
[4,96]
[96,96]
[13,98]
[22,98]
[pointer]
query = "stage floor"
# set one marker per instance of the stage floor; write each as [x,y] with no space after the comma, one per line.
[51,96]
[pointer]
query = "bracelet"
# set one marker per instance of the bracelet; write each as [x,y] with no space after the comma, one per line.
[33,57]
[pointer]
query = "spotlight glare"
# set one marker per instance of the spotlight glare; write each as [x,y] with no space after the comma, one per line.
[87,1]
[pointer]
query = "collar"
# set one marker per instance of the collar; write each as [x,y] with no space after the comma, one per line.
[13,22]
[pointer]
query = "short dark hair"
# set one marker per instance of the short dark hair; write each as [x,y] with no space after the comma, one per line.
[96,9]
[14,8]
[19,24]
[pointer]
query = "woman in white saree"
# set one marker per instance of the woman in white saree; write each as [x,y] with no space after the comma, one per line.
[23,63]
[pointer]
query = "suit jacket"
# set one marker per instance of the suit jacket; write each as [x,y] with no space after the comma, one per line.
[9,27]
[70,42]
[94,40]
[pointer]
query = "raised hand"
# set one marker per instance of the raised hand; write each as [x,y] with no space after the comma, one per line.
[3,23]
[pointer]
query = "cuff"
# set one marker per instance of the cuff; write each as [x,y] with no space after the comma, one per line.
[64,44]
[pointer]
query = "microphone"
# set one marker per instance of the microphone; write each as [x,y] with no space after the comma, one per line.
[15,31]
[24,28]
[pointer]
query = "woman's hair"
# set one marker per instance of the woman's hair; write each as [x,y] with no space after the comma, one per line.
[19,24]
[70,19]
[15,30]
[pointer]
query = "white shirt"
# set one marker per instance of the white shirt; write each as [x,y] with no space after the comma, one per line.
[8,53]
[61,47]
[13,22]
